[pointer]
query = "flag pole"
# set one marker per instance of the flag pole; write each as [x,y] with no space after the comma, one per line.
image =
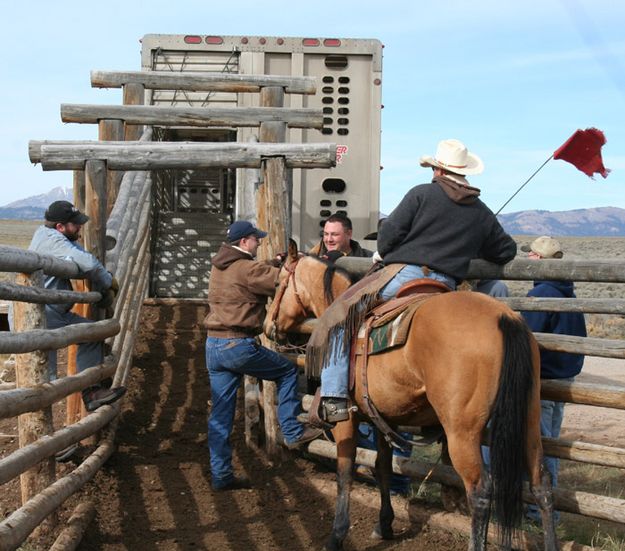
[524,184]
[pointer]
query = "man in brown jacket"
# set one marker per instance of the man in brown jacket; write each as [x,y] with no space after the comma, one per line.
[238,289]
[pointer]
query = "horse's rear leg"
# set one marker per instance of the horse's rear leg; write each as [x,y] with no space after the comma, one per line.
[383,472]
[345,436]
[466,457]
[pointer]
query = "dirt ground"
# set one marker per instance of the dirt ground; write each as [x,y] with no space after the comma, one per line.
[154,492]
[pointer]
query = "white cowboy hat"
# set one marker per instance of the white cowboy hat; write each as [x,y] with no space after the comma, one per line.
[453,155]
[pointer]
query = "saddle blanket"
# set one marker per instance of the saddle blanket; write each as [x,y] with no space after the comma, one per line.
[390,324]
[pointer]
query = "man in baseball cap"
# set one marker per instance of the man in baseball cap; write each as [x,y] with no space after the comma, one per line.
[58,237]
[242,228]
[553,365]
[64,211]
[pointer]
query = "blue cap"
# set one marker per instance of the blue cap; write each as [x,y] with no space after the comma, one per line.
[243,228]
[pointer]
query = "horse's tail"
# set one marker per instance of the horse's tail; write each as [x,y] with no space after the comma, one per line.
[509,427]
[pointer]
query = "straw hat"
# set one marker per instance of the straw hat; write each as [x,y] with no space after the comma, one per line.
[452,155]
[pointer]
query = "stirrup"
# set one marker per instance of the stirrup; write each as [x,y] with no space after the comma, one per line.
[334,410]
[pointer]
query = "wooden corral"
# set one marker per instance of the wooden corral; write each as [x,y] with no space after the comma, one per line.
[119,206]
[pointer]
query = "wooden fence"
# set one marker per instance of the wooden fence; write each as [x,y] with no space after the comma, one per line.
[601,395]
[119,209]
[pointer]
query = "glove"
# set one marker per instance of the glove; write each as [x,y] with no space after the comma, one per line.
[376,257]
[108,297]
[114,286]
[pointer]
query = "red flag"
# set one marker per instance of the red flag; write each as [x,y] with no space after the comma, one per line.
[583,150]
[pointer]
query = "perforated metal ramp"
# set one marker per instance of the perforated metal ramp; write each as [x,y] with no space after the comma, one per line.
[183,247]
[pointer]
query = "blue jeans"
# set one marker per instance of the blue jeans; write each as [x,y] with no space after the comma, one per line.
[368,438]
[89,353]
[334,376]
[227,361]
[551,415]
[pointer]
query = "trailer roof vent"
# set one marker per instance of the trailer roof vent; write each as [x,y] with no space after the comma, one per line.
[336,61]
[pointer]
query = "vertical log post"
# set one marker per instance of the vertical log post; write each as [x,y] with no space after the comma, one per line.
[94,231]
[133,94]
[73,407]
[32,370]
[272,212]
[111,130]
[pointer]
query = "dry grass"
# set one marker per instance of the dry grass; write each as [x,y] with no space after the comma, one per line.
[17,233]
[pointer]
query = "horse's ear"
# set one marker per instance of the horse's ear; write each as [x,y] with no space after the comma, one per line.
[293,253]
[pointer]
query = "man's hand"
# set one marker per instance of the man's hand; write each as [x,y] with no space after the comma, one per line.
[114,287]
[108,297]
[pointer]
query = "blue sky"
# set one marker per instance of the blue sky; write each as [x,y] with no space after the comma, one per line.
[513,80]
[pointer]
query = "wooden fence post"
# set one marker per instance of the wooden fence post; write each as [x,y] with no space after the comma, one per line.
[111,130]
[133,94]
[73,404]
[273,213]
[32,370]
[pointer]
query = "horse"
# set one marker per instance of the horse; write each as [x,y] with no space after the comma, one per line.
[468,361]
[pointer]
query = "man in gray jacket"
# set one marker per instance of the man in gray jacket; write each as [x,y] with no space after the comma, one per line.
[58,237]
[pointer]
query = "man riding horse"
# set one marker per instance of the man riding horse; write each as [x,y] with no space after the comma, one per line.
[435,231]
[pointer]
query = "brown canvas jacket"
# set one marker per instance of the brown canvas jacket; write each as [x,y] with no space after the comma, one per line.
[238,289]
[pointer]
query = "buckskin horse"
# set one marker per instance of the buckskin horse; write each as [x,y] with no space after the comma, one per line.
[467,359]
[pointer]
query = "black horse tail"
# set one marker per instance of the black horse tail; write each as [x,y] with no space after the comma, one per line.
[509,427]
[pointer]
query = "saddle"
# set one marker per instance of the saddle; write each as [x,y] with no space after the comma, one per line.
[385,327]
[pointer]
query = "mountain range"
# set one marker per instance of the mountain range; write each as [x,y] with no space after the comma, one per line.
[594,222]
[33,207]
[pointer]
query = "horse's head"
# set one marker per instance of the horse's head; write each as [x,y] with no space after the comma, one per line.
[307,286]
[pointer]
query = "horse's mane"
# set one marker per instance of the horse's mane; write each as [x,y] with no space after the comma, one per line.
[328,276]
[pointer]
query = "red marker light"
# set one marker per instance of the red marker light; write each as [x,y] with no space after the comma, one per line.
[192,39]
[214,40]
[331,42]
[310,42]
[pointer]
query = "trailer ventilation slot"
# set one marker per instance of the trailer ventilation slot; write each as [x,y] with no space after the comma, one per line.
[333,185]
[336,62]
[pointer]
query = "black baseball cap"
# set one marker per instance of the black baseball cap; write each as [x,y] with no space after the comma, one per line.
[63,212]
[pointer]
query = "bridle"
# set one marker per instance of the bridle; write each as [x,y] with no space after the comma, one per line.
[290,268]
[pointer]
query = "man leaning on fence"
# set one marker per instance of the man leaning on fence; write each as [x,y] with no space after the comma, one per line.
[553,365]
[58,237]
[238,289]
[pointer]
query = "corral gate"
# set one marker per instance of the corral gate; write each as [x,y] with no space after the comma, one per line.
[349,74]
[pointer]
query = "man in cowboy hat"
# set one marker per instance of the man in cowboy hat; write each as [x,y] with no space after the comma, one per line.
[553,365]
[238,290]
[58,237]
[435,231]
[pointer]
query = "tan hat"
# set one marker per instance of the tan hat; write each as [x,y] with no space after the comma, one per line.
[545,246]
[453,155]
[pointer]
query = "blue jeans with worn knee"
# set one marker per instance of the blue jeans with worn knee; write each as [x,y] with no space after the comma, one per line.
[227,361]
[334,376]
[89,353]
